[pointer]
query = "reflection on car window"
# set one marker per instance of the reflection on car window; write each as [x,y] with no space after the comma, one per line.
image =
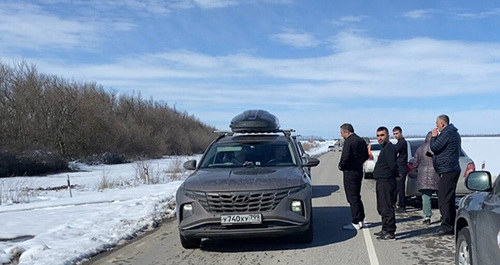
[244,154]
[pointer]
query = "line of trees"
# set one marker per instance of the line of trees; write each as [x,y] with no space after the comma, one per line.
[77,119]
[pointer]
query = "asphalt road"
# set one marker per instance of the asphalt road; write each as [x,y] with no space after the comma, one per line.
[415,242]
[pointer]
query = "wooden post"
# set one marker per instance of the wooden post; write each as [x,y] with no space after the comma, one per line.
[69,188]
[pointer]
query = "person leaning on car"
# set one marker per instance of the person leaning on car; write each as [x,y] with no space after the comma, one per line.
[427,178]
[446,145]
[385,173]
[354,154]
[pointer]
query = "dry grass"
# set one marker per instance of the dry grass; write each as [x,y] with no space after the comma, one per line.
[16,190]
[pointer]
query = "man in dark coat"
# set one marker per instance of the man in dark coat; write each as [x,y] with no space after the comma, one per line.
[446,145]
[354,154]
[402,160]
[385,174]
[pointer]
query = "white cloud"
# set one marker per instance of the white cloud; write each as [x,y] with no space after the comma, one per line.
[418,14]
[25,25]
[478,15]
[30,26]
[418,67]
[297,40]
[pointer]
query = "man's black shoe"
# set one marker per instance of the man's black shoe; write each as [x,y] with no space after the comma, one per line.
[401,210]
[387,237]
[380,233]
[427,221]
[443,232]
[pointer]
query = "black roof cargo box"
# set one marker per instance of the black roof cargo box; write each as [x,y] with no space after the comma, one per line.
[255,121]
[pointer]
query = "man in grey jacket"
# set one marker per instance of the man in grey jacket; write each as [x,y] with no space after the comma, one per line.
[446,145]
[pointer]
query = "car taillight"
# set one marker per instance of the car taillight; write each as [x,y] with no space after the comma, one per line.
[410,168]
[470,167]
[370,155]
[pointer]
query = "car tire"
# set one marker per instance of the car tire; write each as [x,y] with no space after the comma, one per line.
[190,243]
[463,251]
[308,236]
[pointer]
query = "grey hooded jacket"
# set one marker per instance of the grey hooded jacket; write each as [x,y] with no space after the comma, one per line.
[427,178]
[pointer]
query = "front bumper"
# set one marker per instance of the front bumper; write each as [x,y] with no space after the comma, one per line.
[279,221]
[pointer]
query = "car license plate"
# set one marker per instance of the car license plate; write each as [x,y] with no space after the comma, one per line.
[241,219]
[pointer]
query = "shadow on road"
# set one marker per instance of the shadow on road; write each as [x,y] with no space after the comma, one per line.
[328,222]
[323,190]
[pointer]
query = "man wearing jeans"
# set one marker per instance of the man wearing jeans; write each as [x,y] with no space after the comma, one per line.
[354,154]
[446,146]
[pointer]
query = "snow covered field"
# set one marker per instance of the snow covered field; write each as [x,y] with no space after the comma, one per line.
[50,227]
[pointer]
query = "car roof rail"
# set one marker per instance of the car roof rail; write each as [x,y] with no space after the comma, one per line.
[286,132]
[223,133]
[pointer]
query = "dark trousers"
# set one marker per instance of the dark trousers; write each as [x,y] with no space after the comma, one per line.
[446,199]
[352,188]
[400,194]
[385,189]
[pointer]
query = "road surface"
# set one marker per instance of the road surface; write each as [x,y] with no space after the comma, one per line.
[415,242]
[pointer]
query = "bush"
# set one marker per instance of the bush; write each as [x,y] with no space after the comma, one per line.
[31,164]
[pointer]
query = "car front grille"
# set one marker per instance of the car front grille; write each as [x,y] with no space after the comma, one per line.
[246,201]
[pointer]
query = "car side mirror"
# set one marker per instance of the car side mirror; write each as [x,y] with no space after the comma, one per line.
[311,162]
[479,181]
[190,165]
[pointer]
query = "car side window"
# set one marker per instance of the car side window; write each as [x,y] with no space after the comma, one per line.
[496,186]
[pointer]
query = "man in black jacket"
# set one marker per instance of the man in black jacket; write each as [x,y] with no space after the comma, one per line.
[446,145]
[354,154]
[385,174]
[402,160]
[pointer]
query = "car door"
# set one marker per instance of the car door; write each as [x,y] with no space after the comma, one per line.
[488,228]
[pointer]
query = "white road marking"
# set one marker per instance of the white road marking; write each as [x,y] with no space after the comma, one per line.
[372,255]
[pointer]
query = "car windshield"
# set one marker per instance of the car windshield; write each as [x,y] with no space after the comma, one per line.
[249,154]
[375,147]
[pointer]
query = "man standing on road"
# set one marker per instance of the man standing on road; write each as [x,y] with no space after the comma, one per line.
[385,174]
[402,160]
[354,154]
[446,145]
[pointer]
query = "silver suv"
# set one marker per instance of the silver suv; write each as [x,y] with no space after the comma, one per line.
[250,182]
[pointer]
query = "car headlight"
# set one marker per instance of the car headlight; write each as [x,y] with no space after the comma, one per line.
[298,207]
[187,210]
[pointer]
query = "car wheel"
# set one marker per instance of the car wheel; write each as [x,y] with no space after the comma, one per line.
[308,236]
[463,253]
[189,243]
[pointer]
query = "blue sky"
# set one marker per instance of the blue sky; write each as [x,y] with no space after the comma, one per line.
[313,63]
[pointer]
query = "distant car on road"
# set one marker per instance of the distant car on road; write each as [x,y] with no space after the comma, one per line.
[331,148]
[477,226]
[252,182]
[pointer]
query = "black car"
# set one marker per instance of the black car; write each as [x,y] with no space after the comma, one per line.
[477,226]
[251,182]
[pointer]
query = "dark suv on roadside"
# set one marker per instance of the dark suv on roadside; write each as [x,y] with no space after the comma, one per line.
[251,182]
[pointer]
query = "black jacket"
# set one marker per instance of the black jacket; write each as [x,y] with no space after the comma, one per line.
[402,155]
[354,153]
[446,148]
[386,166]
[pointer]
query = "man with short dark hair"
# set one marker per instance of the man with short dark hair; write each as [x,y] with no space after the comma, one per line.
[446,145]
[402,160]
[354,154]
[385,174]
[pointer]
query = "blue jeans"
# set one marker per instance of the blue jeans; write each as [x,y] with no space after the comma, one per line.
[426,202]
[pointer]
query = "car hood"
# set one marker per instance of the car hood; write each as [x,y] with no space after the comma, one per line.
[242,179]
